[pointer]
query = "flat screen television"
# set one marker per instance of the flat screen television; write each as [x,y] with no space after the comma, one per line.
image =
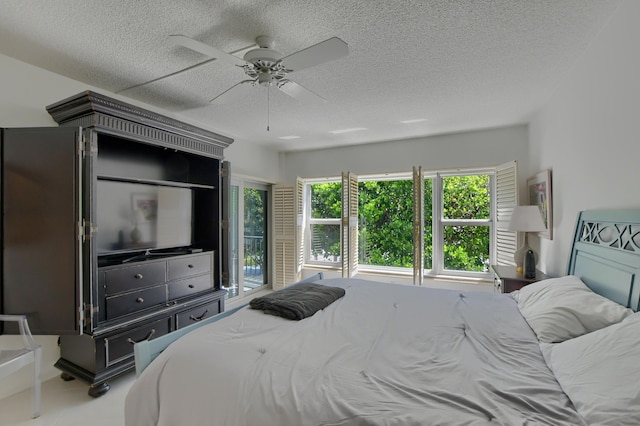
[133,217]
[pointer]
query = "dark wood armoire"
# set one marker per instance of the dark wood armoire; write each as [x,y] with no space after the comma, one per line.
[111,230]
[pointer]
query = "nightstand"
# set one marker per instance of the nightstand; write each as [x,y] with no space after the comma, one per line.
[506,279]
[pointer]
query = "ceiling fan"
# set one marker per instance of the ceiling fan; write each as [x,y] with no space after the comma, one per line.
[267,67]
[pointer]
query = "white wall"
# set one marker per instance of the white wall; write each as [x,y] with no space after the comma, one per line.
[458,150]
[253,161]
[589,133]
[25,92]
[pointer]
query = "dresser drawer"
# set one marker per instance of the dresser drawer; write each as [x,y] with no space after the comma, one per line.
[137,300]
[120,346]
[187,266]
[128,278]
[198,313]
[190,286]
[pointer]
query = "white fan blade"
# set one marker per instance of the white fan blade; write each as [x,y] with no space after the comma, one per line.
[232,93]
[199,64]
[205,49]
[320,53]
[299,92]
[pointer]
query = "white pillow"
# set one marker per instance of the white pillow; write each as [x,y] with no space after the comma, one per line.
[599,372]
[558,309]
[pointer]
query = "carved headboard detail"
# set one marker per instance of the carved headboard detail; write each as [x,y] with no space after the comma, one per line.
[606,254]
[624,236]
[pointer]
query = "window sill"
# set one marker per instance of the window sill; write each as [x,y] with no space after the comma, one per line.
[404,274]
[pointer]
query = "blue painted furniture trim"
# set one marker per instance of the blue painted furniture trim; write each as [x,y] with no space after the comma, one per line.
[606,254]
[146,351]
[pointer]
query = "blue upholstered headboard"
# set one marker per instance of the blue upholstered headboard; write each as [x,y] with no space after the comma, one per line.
[606,254]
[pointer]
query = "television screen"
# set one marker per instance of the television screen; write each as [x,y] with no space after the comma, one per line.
[134,216]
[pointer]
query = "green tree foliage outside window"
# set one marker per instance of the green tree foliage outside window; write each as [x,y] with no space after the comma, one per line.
[466,248]
[254,213]
[386,223]
[255,202]
[385,210]
[326,202]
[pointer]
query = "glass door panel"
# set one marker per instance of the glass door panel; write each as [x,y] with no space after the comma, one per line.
[255,233]
[248,206]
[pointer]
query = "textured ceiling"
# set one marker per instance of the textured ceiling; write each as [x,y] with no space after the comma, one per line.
[458,64]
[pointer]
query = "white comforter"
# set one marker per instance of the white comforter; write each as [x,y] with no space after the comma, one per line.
[383,354]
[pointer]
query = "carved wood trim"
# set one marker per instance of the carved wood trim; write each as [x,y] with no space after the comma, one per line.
[90,109]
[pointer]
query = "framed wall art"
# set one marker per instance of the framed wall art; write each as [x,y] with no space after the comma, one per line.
[539,189]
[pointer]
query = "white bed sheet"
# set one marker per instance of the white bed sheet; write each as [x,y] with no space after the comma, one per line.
[383,354]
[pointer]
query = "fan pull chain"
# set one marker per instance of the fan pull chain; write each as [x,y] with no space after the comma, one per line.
[268,91]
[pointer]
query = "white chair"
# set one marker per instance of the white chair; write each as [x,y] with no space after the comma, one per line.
[11,360]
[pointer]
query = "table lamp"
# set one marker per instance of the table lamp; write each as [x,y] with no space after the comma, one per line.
[525,219]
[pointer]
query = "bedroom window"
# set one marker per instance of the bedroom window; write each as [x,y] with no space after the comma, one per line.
[457,237]
[463,221]
[323,233]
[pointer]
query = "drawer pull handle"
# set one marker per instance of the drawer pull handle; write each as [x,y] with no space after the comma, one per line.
[151,333]
[189,266]
[191,286]
[200,318]
[138,276]
[139,300]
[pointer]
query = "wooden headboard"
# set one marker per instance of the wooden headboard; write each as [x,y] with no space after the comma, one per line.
[606,254]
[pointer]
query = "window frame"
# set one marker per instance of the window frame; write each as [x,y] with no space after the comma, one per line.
[438,222]
[309,221]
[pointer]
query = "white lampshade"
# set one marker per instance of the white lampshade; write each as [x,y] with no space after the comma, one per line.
[526,219]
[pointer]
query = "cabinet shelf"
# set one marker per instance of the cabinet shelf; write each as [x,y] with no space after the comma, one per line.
[158,182]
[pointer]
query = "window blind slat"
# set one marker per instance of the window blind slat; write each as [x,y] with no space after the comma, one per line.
[506,200]
[284,236]
[349,239]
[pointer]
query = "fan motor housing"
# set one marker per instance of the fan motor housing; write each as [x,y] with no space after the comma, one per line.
[262,55]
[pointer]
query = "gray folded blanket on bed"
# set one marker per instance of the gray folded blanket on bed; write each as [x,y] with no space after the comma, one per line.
[298,301]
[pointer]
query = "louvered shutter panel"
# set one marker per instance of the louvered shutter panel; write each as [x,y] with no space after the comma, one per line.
[300,226]
[418,226]
[349,239]
[353,224]
[344,227]
[506,200]
[284,236]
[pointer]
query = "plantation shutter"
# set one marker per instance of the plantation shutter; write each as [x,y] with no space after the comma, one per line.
[349,238]
[284,217]
[506,200]
[418,226]
[300,226]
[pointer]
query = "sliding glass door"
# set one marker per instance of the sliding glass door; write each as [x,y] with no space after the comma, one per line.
[249,204]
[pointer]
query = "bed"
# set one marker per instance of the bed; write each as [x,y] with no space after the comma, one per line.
[559,352]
